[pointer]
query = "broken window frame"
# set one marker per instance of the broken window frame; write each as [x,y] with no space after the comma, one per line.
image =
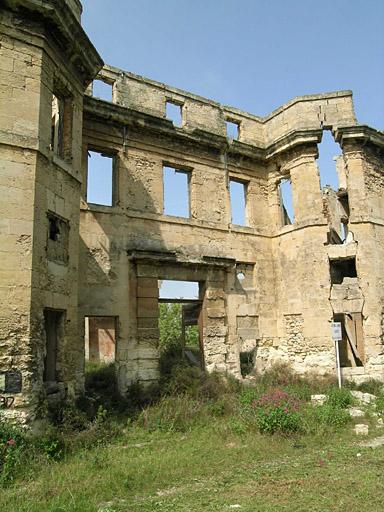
[61,125]
[328,139]
[285,218]
[351,347]
[338,273]
[245,185]
[229,122]
[178,170]
[179,122]
[106,153]
[57,233]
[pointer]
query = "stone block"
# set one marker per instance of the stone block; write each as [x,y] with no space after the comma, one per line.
[147,307]
[363,398]
[318,399]
[361,429]
[355,412]
[216,312]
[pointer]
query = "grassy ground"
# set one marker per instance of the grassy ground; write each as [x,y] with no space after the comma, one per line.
[199,448]
[207,469]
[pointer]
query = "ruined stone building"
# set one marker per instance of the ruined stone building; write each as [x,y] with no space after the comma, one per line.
[70,267]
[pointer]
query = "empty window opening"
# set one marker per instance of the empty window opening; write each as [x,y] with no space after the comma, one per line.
[329,150]
[54,230]
[344,230]
[339,269]
[247,362]
[240,276]
[100,178]
[173,112]
[180,324]
[57,238]
[247,327]
[344,214]
[179,335]
[171,289]
[238,195]
[176,192]
[233,129]
[100,339]
[286,202]
[102,90]
[54,331]
[351,347]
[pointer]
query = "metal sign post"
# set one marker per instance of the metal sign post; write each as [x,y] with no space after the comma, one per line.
[337,336]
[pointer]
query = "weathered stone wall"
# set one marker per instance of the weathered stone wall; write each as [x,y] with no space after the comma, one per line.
[136,223]
[266,289]
[252,315]
[41,185]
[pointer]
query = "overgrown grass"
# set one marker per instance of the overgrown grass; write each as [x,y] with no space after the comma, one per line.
[204,443]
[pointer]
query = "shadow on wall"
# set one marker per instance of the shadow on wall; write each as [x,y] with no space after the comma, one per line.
[107,283]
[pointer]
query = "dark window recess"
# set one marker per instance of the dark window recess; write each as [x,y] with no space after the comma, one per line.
[11,381]
[61,126]
[54,230]
[247,362]
[54,330]
[351,347]
[339,269]
[57,240]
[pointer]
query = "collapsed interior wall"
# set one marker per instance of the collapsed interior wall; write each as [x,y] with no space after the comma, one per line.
[269,289]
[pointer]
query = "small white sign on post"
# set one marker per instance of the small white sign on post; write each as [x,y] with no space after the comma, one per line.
[336,331]
[337,336]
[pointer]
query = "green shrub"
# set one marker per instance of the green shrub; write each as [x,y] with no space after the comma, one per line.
[52,448]
[379,403]
[339,398]
[373,386]
[100,382]
[171,414]
[13,447]
[218,408]
[277,411]
[237,426]
[326,415]
[248,396]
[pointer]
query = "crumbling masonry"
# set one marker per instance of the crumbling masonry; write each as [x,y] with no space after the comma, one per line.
[270,288]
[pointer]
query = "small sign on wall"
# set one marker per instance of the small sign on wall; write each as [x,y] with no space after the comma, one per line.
[336,331]
[10,381]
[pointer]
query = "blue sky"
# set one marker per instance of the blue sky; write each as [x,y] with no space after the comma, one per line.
[251,54]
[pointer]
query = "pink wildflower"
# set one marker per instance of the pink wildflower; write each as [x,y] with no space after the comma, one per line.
[11,442]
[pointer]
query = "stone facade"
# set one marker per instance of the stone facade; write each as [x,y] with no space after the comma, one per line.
[269,289]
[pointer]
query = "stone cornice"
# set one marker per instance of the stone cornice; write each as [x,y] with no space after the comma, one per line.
[293,139]
[103,111]
[63,26]
[362,134]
